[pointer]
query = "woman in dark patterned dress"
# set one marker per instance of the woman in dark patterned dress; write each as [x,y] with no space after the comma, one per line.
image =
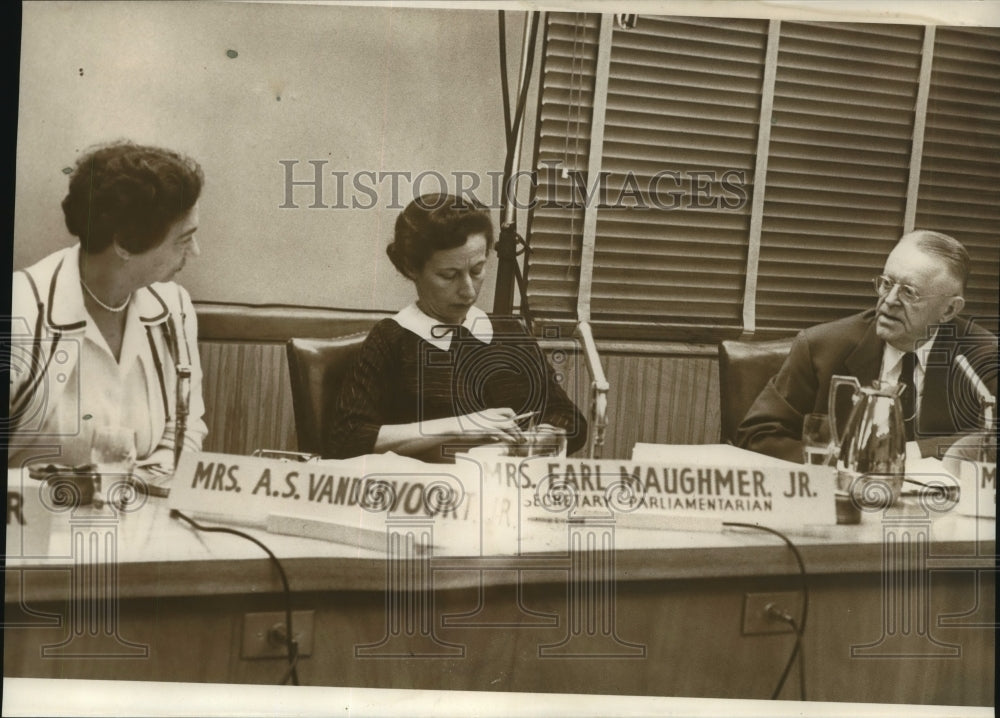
[441,375]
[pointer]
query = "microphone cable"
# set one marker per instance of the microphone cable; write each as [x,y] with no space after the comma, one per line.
[510,244]
[775,612]
[291,644]
[798,628]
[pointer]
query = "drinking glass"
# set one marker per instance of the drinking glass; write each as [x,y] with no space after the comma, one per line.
[817,441]
[112,452]
[547,441]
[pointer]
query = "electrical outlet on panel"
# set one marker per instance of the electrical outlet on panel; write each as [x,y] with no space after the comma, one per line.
[757,619]
[264,634]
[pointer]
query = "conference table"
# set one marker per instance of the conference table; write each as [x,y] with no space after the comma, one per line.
[900,608]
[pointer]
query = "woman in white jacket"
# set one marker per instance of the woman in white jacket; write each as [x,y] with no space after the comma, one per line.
[99,330]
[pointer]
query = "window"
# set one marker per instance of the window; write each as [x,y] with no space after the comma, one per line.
[960,171]
[838,166]
[754,174]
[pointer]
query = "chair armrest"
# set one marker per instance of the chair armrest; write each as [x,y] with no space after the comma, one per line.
[599,388]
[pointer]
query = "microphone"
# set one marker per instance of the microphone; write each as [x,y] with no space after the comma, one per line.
[987,400]
[978,384]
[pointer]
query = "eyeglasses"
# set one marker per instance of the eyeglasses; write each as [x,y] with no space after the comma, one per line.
[907,293]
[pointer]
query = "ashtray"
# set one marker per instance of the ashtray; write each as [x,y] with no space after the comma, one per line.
[69,485]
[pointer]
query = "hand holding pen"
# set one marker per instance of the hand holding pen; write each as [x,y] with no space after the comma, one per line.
[495,424]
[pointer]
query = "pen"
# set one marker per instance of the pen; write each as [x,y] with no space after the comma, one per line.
[154,469]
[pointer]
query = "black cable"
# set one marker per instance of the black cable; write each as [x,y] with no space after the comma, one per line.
[509,161]
[521,100]
[292,671]
[522,287]
[802,665]
[799,628]
[291,644]
[505,90]
[511,131]
[796,652]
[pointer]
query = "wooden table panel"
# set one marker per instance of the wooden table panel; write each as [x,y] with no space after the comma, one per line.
[494,622]
[690,630]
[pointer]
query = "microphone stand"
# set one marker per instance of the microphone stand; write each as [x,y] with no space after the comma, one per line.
[989,432]
[988,407]
[182,409]
[508,271]
[183,398]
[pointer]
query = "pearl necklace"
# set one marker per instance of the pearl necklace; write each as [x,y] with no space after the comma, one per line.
[115,310]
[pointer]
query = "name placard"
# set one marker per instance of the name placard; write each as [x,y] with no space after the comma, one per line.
[346,501]
[29,516]
[652,495]
[978,492]
[490,505]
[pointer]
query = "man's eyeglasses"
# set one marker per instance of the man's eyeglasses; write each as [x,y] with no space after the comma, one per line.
[907,294]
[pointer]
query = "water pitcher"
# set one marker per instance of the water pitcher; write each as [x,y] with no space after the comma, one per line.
[872,457]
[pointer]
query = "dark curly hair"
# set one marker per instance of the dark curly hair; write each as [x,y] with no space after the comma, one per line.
[431,223]
[129,193]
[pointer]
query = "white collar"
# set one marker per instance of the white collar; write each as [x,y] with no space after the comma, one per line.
[65,309]
[892,356]
[429,329]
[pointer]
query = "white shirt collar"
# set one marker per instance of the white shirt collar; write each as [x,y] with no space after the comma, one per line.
[892,356]
[414,320]
[66,310]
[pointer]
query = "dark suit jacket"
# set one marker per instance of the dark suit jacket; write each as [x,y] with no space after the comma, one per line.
[849,346]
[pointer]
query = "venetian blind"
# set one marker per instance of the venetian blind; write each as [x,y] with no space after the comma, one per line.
[684,96]
[841,138]
[565,109]
[680,140]
[681,135]
[960,173]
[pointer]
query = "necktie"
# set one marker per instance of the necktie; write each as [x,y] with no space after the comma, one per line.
[908,400]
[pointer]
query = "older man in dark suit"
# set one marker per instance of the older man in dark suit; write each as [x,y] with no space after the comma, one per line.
[913,336]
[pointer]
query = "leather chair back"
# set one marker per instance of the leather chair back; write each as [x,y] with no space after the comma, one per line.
[744,369]
[317,368]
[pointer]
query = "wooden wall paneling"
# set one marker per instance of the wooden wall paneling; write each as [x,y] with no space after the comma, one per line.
[248,397]
[697,370]
[210,369]
[679,396]
[712,428]
[688,407]
[619,373]
[647,407]
[635,388]
[661,399]
[656,399]
[673,394]
[611,436]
